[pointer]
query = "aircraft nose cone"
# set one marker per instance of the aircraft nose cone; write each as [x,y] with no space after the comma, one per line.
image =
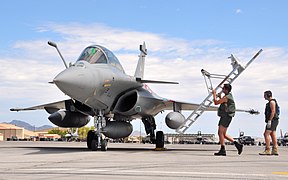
[65,78]
[75,82]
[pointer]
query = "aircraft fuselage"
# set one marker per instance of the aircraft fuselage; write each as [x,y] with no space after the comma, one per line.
[96,85]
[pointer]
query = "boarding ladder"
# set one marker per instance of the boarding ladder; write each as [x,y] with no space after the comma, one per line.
[206,103]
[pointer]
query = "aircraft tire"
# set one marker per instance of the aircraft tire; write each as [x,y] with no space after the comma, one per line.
[159,139]
[94,145]
[90,136]
[103,145]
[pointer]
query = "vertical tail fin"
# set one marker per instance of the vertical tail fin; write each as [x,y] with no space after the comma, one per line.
[139,73]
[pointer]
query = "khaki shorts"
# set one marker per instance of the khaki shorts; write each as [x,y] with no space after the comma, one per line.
[274,125]
[225,121]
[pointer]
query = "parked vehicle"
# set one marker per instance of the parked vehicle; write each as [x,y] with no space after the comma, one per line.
[283,141]
[246,140]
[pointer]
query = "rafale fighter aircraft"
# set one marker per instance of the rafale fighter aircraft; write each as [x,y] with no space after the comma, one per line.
[99,87]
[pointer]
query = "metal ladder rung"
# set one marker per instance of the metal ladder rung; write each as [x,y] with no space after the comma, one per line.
[197,115]
[229,81]
[210,101]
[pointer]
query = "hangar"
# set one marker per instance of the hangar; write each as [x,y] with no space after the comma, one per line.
[198,138]
[11,131]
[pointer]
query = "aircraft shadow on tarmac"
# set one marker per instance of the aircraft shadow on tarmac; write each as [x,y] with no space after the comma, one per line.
[53,150]
[62,149]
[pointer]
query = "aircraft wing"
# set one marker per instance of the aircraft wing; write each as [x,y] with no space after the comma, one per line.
[50,107]
[192,106]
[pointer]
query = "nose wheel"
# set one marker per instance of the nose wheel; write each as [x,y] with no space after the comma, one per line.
[95,145]
[95,138]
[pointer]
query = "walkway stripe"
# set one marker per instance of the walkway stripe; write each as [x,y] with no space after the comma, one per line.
[280,173]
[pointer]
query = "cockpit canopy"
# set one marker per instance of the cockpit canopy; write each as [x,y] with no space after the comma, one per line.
[100,55]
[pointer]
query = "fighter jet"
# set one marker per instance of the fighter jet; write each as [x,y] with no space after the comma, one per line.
[99,87]
[70,133]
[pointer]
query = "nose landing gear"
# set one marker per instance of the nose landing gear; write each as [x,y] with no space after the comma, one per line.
[95,138]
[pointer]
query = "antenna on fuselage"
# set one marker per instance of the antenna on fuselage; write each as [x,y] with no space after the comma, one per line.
[55,45]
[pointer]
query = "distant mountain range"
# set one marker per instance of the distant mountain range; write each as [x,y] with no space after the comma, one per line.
[28,126]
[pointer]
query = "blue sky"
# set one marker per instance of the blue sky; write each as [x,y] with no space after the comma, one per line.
[258,21]
[182,37]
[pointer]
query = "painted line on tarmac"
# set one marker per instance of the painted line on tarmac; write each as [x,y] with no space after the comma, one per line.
[280,173]
[120,171]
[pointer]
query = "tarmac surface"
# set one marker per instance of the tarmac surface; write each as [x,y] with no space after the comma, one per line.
[72,160]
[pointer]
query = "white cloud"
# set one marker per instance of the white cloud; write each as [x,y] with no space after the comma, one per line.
[238,11]
[23,78]
[169,58]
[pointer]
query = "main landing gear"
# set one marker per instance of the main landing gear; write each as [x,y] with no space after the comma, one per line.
[159,140]
[95,138]
[150,127]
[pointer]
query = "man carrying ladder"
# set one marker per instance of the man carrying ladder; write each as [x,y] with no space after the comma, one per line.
[226,112]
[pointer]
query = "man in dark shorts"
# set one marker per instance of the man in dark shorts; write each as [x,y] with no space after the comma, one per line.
[272,121]
[226,112]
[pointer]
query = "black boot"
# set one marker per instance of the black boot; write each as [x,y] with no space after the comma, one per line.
[222,152]
[239,147]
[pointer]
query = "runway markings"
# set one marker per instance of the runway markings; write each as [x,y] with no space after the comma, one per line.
[133,172]
[280,173]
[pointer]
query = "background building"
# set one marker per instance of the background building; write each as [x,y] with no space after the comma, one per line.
[10,131]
